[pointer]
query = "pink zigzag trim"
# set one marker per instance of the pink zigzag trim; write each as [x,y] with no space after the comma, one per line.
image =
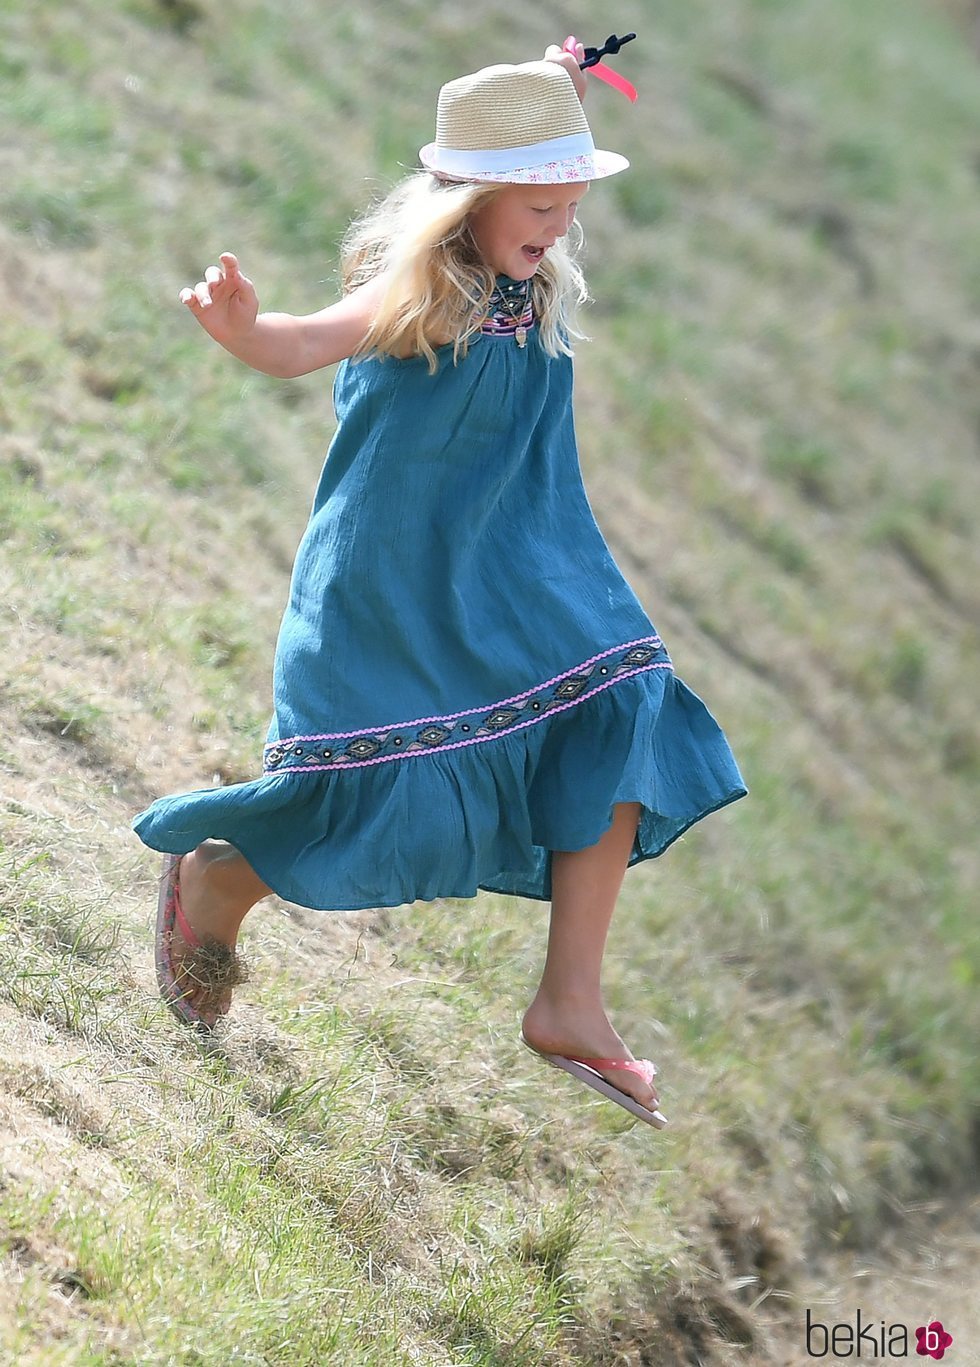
[456,745]
[451,716]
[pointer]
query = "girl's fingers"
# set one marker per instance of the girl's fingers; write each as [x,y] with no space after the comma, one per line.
[215,278]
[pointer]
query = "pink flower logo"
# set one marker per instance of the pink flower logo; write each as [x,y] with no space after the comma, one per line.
[932,1340]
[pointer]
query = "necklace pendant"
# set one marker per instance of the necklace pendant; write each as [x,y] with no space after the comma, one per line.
[521,335]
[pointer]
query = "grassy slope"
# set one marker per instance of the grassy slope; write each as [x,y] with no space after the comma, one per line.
[778,426]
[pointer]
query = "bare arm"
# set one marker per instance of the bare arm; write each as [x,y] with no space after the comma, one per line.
[280,344]
[336,331]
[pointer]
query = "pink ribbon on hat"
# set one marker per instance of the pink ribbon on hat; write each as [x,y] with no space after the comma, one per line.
[605,73]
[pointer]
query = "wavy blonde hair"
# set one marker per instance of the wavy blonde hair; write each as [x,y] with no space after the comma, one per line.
[440,284]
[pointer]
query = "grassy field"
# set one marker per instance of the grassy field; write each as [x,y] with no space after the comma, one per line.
[779,427]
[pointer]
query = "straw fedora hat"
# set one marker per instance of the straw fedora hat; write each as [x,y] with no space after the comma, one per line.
[520,123]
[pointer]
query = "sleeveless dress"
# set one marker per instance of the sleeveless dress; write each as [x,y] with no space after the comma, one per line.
[463,680]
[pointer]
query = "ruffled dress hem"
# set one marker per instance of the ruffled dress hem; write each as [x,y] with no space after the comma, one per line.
[482,817]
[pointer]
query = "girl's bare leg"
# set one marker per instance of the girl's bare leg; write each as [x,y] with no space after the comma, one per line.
[567,1015]
[218,887]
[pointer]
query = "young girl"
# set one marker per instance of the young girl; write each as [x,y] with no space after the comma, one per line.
[467,692]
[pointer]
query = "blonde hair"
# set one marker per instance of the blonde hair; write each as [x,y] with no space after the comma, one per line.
[440,284]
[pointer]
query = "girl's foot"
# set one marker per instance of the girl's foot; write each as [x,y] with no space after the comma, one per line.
[584,1032]
[206,975]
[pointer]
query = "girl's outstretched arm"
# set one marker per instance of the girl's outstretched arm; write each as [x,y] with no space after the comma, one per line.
[280,344]
[338,330]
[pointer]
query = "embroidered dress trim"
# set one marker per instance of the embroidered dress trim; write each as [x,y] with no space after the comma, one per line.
[426,735]
[499,322]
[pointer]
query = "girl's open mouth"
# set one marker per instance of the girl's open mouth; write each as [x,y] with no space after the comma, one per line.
[533,253]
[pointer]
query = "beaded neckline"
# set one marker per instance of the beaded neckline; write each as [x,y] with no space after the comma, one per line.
[509,309]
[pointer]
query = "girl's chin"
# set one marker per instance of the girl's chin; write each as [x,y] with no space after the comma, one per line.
[520,256]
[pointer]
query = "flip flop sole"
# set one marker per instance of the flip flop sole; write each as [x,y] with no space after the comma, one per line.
[166,981]
[593,1079]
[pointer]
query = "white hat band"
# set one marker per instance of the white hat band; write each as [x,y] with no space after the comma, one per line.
[462,163]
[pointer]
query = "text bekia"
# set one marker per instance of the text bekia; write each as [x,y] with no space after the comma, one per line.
[868,1339]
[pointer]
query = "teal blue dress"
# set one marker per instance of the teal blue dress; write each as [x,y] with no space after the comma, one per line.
[463,680]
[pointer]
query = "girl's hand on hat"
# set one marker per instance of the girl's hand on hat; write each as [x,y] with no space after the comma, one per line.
[553,53]
[224,302]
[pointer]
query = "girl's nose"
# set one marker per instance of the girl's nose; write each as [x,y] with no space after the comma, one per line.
[562,221]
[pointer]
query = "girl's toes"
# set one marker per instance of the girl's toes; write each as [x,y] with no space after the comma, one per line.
[190,997]
[638,1091]
[195,997]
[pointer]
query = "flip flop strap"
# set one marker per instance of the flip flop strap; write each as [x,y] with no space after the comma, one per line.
[640,1066]
[185,929]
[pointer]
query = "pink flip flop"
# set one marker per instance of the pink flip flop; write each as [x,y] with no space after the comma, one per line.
[169,908]
[585,1070]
